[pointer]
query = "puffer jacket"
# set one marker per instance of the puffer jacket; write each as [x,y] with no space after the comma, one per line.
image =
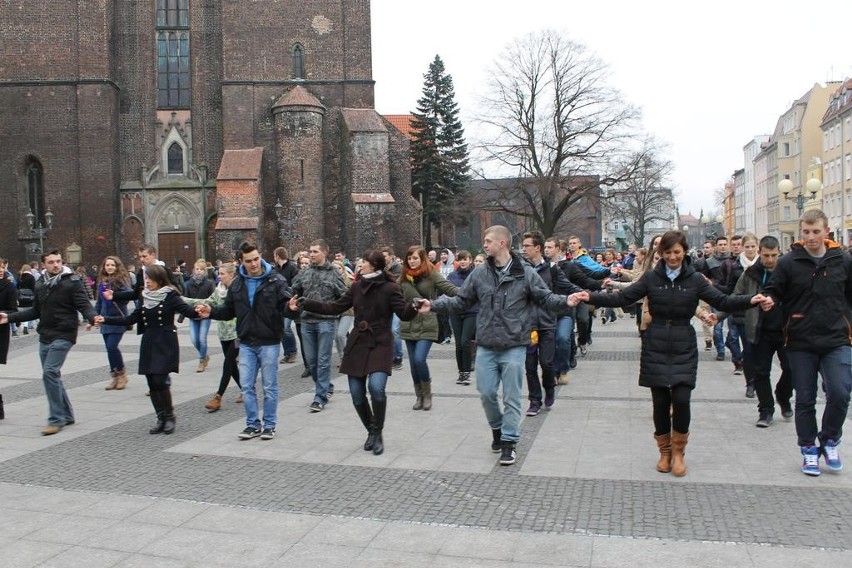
[505,299]
[428,286]
[815,296]
[320,282]
[669,350]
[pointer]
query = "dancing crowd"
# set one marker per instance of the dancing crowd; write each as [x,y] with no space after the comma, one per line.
[518,318]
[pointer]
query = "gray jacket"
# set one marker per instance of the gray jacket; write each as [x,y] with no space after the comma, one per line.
[506,303]
[322,283]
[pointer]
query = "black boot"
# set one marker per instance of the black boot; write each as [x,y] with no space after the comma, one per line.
[379,409]
[366,416]
[157,403]
[2,412]
[168,411]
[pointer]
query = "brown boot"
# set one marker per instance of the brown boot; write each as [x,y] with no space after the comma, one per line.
[215,403]
[427,395]
[113,382]
[418,392]
[679,440]
[121,379]
[664,443]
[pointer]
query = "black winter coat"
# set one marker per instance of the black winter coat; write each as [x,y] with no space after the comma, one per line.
[669,350]
[199,291]
[159,353]
[8,304]
[369,347]
[56,308]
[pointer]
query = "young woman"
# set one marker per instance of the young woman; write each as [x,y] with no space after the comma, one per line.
[113,276]
[227,336]
[479,259]
[26,293]
[464,325]
[199,286]
[347,318]
[159,353]
[368,356]
[669,359]
[420,279]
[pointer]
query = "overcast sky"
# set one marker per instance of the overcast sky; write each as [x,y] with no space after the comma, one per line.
[707,77]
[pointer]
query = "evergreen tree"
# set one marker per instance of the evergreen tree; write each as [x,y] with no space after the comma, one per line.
[439,155]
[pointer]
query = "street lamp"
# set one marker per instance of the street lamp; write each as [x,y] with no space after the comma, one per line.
[287,220]
[201,171]
[813,185]
[39,230]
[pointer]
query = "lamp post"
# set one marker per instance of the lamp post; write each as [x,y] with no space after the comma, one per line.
[685,230]
[39,230]
[287,220]
[813,185]
[201,172]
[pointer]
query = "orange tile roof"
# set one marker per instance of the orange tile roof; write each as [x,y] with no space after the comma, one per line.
[401,122]
[240,164]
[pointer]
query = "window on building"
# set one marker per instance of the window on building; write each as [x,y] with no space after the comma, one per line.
[848,166]
[175,159]
[173,80]
[298,62]
[172,14]
[35,190]
[786,212]
[785,149]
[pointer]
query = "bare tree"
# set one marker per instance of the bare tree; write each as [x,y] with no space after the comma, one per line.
[550,116]
[645,196]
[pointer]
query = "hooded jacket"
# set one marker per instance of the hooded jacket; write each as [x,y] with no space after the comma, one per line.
[505,298]
[815,296]
[259,304]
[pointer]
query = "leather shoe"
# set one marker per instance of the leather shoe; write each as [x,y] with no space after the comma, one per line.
[50,429]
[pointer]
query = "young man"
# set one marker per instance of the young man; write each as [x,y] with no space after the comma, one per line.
[502,330]
[743,255]
[813,285]
[322,282]
[764,335]
[592,269]
[258,298]
[712,269]
[288,270]
[59,295]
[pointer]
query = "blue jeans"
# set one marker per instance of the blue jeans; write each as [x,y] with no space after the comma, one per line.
[836,370]
[562,360]
[317,342]
[116,361]
[198,329]
[492,368]
[265,359]
[735,332]
[719,337]
[397,340]
[374,382]
[418,352]
[288,341]
[53,356]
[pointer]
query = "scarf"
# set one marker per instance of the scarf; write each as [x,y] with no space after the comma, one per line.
[221,291]
[746,262]
[371,274]
[51,281]
[199,279]
[411,275]
[151,298]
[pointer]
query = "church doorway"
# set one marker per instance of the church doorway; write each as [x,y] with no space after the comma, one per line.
[172,247]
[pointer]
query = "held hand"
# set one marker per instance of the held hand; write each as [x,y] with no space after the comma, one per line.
[710,319]
[423,305]
[607,282]
[767,304]
[203,310]
[578,297]
[293,304]
[88,327]
[108,295]
[98,320]
[758,299]
[3,318]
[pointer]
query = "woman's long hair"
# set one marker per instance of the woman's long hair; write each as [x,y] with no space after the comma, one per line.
[425,265]
[121,276]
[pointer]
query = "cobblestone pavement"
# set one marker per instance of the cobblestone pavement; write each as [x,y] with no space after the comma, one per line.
[583,493]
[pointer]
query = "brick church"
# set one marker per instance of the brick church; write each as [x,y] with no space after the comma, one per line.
[195,124]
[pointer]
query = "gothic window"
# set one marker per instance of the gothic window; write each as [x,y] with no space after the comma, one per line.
[175,159]
[173,82]
[35,190]
[298,62]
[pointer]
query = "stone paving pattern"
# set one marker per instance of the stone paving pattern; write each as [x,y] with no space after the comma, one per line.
[583,493]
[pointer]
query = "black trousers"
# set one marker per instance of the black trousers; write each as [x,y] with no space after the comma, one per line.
[230,368]
[671,409]
[770,343]
[541,354]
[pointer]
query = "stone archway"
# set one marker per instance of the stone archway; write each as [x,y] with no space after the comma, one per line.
[175,229]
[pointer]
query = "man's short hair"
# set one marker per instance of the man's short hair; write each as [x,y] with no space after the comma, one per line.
[51,252]
[501,232]
[247,247]
[769,242]
[281,252]
[149,248]
[722,238]
[737,238]
[387,250]
[811,216]
[321,243]
[536,236]
[572,237]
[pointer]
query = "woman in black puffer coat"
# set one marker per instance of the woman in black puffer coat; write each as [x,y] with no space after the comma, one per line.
[669,360]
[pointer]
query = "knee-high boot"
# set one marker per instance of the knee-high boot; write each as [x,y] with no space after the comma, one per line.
[679,440]
[366,416]
[379,409]
[664,443]
[157,403]
[168,411]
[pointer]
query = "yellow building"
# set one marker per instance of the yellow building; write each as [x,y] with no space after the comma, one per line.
[836,168]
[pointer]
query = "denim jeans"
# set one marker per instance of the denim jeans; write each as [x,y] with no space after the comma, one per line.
[418,352]
[111,341]
[562,359]
[506,367]
[288,341]
[53,356]
[732,341]
[374,382]
[397,340]
[317,341]
[719,337]
[344,324]
[836,370]
[263,358]
[198,329]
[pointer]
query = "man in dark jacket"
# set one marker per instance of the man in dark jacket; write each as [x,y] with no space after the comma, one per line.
[394,266]
[506,289]
[258,298]
[59,295]
[813,284]
[743,255]
[712,269]
[288,269]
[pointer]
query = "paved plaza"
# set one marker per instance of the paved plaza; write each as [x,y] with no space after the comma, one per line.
[584,492]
